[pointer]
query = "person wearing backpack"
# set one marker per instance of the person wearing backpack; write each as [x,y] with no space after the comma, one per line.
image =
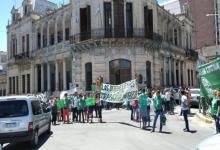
[144,108]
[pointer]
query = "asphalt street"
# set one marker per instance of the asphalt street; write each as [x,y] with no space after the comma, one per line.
[119,133]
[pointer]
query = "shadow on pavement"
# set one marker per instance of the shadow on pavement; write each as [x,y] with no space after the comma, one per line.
[192,131]
[25,146]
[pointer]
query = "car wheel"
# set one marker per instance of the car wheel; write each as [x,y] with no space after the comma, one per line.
[35,140]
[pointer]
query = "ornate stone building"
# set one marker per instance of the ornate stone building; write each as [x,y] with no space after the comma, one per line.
[57,48]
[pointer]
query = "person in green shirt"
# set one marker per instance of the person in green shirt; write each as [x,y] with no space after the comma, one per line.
[215,109]
[158,102]
[66,108]
[60,109]
[144,109]
[80,108]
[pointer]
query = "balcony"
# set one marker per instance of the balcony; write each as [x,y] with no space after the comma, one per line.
[192,54]
[52,49]
[98,34]
[109,37]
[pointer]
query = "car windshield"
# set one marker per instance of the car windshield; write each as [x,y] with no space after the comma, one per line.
[13,109]
[195,91]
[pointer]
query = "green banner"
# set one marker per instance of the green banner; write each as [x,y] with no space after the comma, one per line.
[209,78]
[119,93]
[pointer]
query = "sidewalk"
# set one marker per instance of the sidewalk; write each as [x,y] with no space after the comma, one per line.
[200,116]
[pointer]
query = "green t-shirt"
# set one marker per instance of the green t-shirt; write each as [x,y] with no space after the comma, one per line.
[67,103]
[143,100]
[81,104]
[60,104]
[214,107]
[90,101]
[158,102]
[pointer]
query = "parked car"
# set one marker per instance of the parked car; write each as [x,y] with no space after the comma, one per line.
[23,119]
[175,92]
[195,93]
[211,143]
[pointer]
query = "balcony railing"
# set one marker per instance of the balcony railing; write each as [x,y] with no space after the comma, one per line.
[115,33]
[22,55]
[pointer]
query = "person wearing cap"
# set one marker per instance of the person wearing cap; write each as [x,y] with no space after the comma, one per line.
[215,109]
[158,102]
[185,109]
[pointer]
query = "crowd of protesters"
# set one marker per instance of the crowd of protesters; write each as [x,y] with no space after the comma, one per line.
[81,108]
[76,108]
[161,105]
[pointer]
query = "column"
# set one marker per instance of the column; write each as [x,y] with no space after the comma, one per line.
[48,78]
[64,28]
[32,78]
[42,77]
[164,71]
[64,74]
[185,74]
[174,71]
[36,79]
[55,34]
[179,72]
[41,38]
[16,92]
[190,77]
[170,77]
[57,75]
[48,34]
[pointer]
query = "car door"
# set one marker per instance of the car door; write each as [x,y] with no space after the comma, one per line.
[47,116]
[38,117]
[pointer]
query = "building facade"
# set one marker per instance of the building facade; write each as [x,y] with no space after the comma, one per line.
[73,45]
[206,18]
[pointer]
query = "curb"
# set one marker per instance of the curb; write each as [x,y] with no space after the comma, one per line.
[204,118]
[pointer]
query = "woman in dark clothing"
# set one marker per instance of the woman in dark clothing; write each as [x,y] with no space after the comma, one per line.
[54,112]
[99,107]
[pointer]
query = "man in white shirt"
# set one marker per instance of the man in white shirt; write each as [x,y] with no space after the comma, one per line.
[185,110]
[167,101]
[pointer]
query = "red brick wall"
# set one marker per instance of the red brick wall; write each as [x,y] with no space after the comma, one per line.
[204,27]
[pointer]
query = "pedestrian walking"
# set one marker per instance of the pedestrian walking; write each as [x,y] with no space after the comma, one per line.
[54,111]
[80,108]
[215,109]
[185,110]
[158,102]
[66,108]
[144,108]
[99,107]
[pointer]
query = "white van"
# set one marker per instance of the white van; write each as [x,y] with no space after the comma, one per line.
[23,119]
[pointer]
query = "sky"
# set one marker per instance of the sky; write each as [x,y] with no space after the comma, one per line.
[5,9]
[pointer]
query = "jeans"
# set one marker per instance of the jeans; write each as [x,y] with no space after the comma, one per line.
[132,113]
[74,114]
[158,113]
[185,115]
[217,124]
[80,114]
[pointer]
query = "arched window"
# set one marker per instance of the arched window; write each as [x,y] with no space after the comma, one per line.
[88,76]
[148,74]
[119,71]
